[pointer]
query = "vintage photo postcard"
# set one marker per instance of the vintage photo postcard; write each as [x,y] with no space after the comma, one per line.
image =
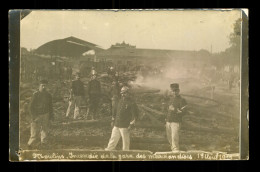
[128,85]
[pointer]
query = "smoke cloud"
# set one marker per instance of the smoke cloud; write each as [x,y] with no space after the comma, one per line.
[161,77]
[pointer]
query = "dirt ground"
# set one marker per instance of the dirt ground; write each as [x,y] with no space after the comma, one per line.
[209,126]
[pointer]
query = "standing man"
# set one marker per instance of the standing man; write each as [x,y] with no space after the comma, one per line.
[175,109]
[93,92]
[122,122]
[41,111]
[115,95]
[77,94]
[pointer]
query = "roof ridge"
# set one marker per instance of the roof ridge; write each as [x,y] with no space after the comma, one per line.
[81,40]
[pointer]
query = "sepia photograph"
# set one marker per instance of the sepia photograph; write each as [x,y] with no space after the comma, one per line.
[132,85]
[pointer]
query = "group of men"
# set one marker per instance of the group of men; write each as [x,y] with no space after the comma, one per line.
[77,96]
[124,111]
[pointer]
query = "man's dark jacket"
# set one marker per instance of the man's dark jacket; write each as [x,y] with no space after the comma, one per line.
[41,104]
[115,91]
[178,103]
[126,111]
[94,87]
[77,87]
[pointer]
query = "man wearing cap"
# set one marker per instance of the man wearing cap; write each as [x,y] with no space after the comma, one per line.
[175,109]
[93,92]
[41,111]
[77,94]
[123,120]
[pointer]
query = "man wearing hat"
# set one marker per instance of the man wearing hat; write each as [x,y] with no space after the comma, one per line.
[77,94]
[123,120]
[93,92]
[41,111]
[175,109]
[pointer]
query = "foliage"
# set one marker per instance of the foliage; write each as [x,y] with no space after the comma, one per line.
[231,55]
[236,34]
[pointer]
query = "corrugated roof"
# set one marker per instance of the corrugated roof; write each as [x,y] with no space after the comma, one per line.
[69,47]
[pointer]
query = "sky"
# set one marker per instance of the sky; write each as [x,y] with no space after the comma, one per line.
[161,29]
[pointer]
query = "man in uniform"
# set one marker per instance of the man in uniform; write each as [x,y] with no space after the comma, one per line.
[93,92]
[115,95]
[123,120]
[77,94]
[41,111]
[175,109]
